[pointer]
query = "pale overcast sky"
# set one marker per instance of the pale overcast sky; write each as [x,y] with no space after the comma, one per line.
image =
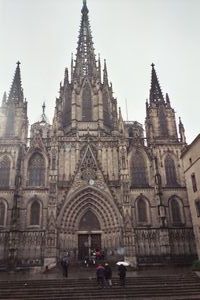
[129,34]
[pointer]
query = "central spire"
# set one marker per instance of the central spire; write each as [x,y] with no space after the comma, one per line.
[16,91]
[155,91]
[85,64]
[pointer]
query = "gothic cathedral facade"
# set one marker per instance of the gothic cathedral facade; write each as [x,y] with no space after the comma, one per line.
[91,180]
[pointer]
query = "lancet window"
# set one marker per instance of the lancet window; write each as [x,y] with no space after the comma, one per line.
[4,172]
[176,211]
[138,171]
[35,213]
[36,170]
[170,171]
[86,103]
[142,211]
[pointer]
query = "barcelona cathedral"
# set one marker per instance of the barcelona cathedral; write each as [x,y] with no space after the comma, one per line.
[90,180]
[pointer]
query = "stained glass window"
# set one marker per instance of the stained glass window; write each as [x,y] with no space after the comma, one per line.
[176,212]
[142,210]
[138,171]
[4,171]
[89,221]
[36,170]
[170,171]
[35,213]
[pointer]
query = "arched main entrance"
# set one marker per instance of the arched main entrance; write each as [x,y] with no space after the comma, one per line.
[88,220]
[89,235]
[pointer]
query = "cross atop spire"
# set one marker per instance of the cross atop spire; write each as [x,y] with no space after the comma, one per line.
[155,90]
[85,64]
[16,92]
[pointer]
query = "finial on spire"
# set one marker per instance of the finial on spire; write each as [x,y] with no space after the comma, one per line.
[84,9]
[105,73]
[18,63]
[181,131]
[153,65]
[43,108]
[168,100]
[43,117]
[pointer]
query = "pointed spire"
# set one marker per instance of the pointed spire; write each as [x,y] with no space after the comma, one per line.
[4,99]
[85,64]
[99,67]
[168,100]
[121,123]
[181,131]
[66,78]
[43,116]
[72,66]
[105,73]
[16,92]
[155,90]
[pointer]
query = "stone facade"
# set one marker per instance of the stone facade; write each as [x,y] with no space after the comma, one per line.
[90,180]
[191,162]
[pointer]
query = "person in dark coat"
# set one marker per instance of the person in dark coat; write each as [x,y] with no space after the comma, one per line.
[100,273]
[108,275]
[122,274]
[65,265]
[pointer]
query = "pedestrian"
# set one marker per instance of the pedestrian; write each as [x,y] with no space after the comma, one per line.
[108,275]
[122,274]
[65,265]
[100,273]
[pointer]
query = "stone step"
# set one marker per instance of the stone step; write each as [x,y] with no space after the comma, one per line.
[153,287]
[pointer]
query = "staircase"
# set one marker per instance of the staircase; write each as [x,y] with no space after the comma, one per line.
[186,286]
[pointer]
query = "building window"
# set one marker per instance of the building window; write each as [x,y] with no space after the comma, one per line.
[194,183]
[2,213]
[4,172]
[138,171]
[176,212]
[197,204]
[86,103]
[35,213]
[142,210]
[170,171]
[36,170]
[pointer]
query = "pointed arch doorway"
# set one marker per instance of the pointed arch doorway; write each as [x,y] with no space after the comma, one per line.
[89,235]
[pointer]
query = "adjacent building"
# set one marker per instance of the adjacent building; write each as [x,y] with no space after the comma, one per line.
[90,180]
[191,161]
